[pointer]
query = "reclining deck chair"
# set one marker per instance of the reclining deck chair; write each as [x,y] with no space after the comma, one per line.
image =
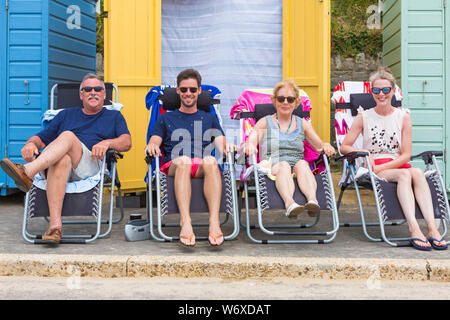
[164,99]
[251,106]
[83,198]
[348,97]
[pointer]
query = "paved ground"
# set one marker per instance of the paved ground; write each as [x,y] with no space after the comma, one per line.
[164,288]
[349,242]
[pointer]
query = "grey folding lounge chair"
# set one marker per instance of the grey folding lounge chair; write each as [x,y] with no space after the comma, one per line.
[389,211]
[87,204]
[162,185]
[268,198]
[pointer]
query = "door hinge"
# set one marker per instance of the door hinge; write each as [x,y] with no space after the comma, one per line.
[7,5]
[6,151]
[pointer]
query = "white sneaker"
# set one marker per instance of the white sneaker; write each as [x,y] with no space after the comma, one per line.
[294,210]
[313,208]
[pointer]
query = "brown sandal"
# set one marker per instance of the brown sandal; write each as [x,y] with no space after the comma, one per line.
[53,235]
[17,172]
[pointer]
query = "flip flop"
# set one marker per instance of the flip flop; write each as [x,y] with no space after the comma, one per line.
[411,241]
[17,172]
[313,208]
[294,210]
[438,247]
[215,239]
[189,238]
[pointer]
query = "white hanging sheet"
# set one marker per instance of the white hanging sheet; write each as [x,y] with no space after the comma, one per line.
[234,44]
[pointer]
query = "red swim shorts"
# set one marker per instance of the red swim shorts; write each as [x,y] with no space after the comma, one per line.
[386,160]
[194,167]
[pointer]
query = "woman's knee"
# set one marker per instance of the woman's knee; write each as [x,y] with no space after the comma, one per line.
[417,175]
[404,176]
[302,167]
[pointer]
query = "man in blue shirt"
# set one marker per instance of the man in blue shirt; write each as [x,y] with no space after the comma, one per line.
[188,137]
[75,142]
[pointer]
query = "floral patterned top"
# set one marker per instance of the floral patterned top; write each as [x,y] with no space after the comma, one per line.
[382,135]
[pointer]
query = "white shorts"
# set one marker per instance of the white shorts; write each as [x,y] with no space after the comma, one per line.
[86,168]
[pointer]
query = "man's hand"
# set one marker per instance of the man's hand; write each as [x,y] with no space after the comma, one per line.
[99,150]
[29,151]
[249,148]
[229,147]
[152,149]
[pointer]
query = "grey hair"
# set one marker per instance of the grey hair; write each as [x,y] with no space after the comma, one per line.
[91,76]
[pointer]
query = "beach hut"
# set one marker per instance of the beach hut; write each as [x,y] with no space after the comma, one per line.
[41,42]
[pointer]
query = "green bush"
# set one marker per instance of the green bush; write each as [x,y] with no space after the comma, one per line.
[349,32]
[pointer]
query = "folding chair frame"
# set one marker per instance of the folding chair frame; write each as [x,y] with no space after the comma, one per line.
[331,203]
[75,238]
[161,236]
[430,159]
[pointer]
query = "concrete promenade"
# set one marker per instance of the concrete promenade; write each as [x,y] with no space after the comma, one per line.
[350,256]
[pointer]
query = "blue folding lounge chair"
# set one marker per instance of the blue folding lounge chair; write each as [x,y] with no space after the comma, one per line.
[83,198]
[257,184]
[165,98]
[389,211]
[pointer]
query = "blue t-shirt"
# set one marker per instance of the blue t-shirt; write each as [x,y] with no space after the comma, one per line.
[89,129]
[189,134]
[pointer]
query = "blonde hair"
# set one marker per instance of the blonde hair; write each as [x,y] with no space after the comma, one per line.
[383,73]
[289,83]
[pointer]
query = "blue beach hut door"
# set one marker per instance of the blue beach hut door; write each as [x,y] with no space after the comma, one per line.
[3,89]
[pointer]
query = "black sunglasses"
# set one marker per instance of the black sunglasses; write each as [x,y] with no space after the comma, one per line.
[89,89]
[191,89]
[281,99]
[385,90]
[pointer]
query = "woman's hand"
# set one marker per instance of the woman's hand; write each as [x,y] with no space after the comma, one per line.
[327,149]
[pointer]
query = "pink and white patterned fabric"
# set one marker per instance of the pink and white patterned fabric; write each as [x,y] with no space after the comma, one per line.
[251,97]
[343,118]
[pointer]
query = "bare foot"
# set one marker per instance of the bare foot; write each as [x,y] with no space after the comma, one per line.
[436,237]
[187,236]
[419,235]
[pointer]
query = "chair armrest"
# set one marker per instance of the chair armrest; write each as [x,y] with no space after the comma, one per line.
[113,155]
[427,156]
[352,156]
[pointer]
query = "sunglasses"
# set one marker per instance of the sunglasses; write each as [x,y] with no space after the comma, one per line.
[281,99]
[191,89]
[385,90]
[89,89]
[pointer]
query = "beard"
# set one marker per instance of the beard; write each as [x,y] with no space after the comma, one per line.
[188,105]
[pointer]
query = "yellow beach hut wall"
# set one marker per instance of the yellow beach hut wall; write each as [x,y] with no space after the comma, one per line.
[133,63]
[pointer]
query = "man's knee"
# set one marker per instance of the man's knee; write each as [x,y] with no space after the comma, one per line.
[182,163]
[210,164]
[67,135]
